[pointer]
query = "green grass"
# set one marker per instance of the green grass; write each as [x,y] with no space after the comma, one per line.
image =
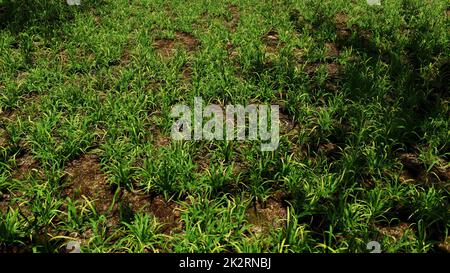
[85,149]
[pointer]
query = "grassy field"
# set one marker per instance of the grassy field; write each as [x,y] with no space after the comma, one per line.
[85,147]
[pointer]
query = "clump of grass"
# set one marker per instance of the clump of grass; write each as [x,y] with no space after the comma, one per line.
[168,171]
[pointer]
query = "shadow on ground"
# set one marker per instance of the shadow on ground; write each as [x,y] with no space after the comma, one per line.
[42,16]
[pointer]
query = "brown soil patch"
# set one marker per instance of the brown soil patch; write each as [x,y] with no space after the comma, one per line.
[3,138]
[263,219]
[329,149]
[311,68]
[162,140]
[442,170]
[411,162]
[97,20]
[235,16]
[202,160]
[365,34]
[158,138]
[126,57]
[188,41]
[271,40]
[396,232]
[414,170]
[444,245]
[232,51]
[86,179]
[287,124]
[4,202]
[340,22]
[25,165]
[7,115]
[332,50]
[167,212]
[333,70]
[165,47]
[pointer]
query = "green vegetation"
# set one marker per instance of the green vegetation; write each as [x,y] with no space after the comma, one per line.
[85,147]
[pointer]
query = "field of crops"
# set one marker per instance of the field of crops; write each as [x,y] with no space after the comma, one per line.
[86,153]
